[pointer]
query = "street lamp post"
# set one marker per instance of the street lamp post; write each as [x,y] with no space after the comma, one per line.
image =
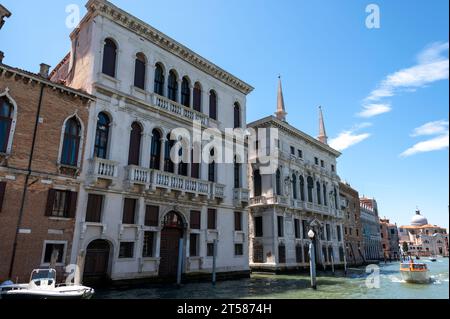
[312,258]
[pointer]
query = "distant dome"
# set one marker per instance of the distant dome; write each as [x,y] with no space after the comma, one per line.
[418,220]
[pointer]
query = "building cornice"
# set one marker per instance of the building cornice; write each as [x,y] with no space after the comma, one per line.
[274,122]
[142,29]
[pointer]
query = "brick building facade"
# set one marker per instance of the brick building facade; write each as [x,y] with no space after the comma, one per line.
[42,132]
[389,239]
[354,250]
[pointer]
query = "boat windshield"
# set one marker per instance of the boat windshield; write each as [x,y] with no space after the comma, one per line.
[43,274]
[419,266]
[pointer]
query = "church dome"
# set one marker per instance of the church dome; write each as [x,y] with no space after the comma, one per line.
[418,220]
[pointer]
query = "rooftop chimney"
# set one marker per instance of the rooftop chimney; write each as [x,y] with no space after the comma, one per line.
[2,55]
[45,68]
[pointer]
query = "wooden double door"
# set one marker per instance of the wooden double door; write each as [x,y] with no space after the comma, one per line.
[97,262]
[170,241]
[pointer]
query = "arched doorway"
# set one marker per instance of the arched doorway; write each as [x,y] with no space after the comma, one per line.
[96,263]
[172,232]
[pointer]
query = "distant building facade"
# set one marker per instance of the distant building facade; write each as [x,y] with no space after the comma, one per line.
[353,233]
[42,134]
[299,194]
[424,239]
[389,240]
[371,229]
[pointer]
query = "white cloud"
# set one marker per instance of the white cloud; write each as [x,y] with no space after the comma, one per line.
[439,142]
[432,65]
[346,139]
[431,128]
[434,144]
[375,109]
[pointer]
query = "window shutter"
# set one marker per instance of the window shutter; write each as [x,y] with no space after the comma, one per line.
[195,219]
[2,194]
[212,219]
[151,215]
[72,205]
[50,201]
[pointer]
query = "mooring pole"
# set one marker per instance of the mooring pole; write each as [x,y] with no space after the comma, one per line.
[332,264]
[180,261]
[345,265]
[214,262]
[312,264]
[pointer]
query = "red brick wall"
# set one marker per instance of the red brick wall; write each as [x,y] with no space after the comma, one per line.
[56,107]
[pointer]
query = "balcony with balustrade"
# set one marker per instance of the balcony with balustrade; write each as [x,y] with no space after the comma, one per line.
[104,169]
[241,197]
[153,179]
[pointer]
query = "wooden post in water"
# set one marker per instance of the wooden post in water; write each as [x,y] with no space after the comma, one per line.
[180,261]
[332,264]
[214,262]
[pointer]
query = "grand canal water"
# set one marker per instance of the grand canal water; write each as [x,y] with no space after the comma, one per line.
[263,286]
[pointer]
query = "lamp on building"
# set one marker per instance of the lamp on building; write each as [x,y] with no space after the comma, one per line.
[312,257]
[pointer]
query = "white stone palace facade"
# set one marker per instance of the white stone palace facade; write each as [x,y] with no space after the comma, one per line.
[135,203]
[370,223]
[299,194]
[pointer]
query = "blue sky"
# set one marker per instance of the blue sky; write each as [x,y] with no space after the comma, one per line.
[326,56]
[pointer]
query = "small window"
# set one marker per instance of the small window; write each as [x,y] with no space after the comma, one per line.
[149,239]
[6,118]
[151,215]
[298,254]
[237,115]
[213,105]
[238,249]
[159,80]
[61,203]
[94,208]
[71,143]
[316,161]
[212,219]
[57,248]
[172,86]
[129,211]
[300,153]
[259,226]
[297,228]
[210,249]
[193,245]
[197,97]
[322,163]
[237,221]
[195,219]
[332,168]
[292,150]
[280,223]
[126,250]
[102,136]
[305,229]
[328,231]
[338,229]
[185,92]
[212,169]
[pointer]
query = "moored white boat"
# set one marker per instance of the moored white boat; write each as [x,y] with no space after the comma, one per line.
[414,272]
[42,285]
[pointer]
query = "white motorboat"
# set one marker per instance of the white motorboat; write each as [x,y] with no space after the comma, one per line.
[43,285]
[414,272]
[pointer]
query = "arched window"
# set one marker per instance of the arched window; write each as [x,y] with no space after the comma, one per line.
[134,152]
[278,182]
[212,168]
[109,58]
[319,194]
[237,173]
[102,136]
[257,185]
[310,183]
[197,97]
[237,115]
[325,201]
[139,71]
[168,164]
[294,186]
[172,86]
[6,113]
[159,80]
[155,152]
[302,188]
[182,166]
[71,143]
[185,93]
[213,105]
